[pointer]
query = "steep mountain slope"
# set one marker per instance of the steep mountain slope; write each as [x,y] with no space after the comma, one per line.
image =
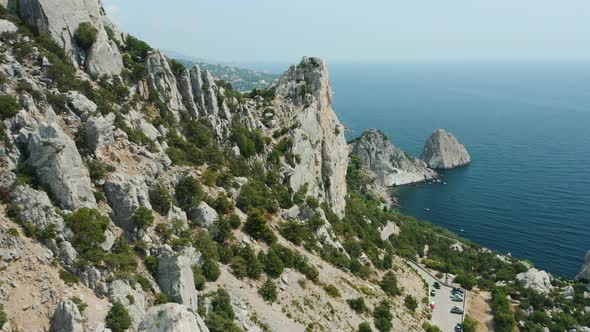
[143,196]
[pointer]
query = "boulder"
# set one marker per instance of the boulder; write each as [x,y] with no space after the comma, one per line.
[175,278]
[125,193]
[584,273]
[7,27]
[67,318]
[172,317]
[203,215]
[391,165]
[58,165]
[443,151]
[79,104]
[318,139]
[36,208]
[536,279]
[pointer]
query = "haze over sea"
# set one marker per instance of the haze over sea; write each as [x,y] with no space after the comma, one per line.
[527,128]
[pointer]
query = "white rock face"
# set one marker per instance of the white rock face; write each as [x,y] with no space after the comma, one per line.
[36,208]
[391,165]
[172,317]
[7,27]
[536,279]
[60,19]
[585,271]
[319,139]
[125,194]
[80,104]
[120,291]
[175,278]
[162,80]
[67,318]
[443,151]
[203,215]
[58,165]
[100,131]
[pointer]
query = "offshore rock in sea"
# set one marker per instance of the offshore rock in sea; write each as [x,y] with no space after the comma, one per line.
[443,151]
[390,165]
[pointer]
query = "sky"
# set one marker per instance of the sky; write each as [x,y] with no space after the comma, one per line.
[380,31]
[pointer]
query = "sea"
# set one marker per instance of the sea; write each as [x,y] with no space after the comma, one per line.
[527,128]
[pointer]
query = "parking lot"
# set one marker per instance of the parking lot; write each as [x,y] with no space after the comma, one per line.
[441,315]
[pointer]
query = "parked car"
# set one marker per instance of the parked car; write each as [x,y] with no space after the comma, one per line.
[457,291]
[459,327]
[456,310]
[436,285]
[457,298]
[432,292]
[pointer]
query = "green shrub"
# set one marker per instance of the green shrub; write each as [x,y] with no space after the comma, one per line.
[142,218]
[85,35]
[469,324]
[273,265]
[466,281]
[249,141]
[13,232]
[503,315]
[118,319]
[268,291]
[410,303]
[294,232]
[88,227]
[382,317]
[79,303]
[3,316]
[365,327]
[68,277]
[234,221]
[198,278]
[121,259]
[188,192]
[221,230]
[331,290]
[161,298]
[254,267]
[161,199]
[239,267]
[257,226]
[97,169]
[358,305]
[210,269]
[151,263]
[8,107]
[256,195]
[389,284]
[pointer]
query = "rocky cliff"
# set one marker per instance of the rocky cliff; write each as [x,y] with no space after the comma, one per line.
[391,165]
[60,19]
[443,151]
[317,134]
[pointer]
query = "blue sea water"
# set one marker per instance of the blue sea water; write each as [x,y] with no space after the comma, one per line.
[527,128]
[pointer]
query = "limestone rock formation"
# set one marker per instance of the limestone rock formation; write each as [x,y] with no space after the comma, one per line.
[536,279]
[443,151]
[161,80]
[134,299]
[391,165]
[203,215]
[100,131]
[7,27]
[61,18]
[80,104]
[67,318]
[58,165]
[36,208]
[172,317]
[585,271]
[175,278]
[318,138]
[125,194]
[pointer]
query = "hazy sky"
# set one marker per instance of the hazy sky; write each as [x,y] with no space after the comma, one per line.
[361,30]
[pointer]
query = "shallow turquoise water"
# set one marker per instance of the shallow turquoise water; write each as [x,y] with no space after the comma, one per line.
[527,127]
